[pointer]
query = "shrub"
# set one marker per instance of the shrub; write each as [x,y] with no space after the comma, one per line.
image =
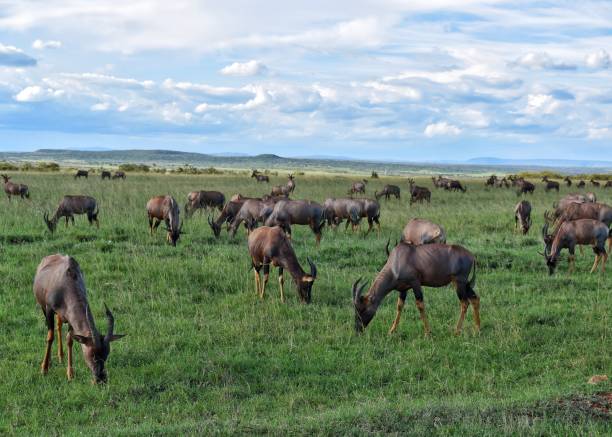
[134,167]
[7,166]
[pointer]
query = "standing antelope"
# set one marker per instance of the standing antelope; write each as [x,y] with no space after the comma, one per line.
[550,185]
[298,212]
[608,184]
[81,173]
[410,267]
[524,186]
[252,212]
[388,191]
[290,184]
[595,183]
[420,231]
[358,187]
[202,200]
[12,189]
[106,174]
[418,194]
[570,234]
[270,246]
[337,210]
[522,216]
[119,175]
[567,181]
[165,208]
[228,213]
[59,288]
[260,177]
[581,184]
[491,181]
[71,205]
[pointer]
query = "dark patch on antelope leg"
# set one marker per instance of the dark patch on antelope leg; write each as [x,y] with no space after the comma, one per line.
[400,306]
[44,367]
[69,368]
[420,304]
[60,348]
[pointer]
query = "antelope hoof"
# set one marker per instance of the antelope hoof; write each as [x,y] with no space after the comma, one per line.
[70,373]
[44,370]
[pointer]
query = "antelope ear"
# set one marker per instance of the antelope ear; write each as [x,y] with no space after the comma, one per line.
[115,337]
[87,341]
[307,278]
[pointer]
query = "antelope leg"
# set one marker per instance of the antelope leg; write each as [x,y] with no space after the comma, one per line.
[420,304]
[475,301]
[281,282]
[463,303]
[257,285]
[60,348]
[266,269]
[69,368]
[595,263]
[400,306]
[44,367]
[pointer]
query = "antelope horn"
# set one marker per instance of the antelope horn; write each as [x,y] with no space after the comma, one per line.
[313,268]
[209,221]
[387,246]
[111,324]
[356,289]
[92,327]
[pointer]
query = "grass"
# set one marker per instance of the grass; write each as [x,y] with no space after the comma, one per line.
[203,355]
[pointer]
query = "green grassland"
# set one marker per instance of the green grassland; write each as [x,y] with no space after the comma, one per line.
[204,355]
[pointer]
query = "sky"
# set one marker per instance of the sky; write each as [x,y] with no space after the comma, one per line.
[385,79]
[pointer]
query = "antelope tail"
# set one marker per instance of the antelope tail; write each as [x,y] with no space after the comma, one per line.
[472,281]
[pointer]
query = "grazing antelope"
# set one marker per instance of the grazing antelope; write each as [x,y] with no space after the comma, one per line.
[337,210]
[358,187]
[166,209]
[420,231]
[491,181]
[59,288]
[106,174]
[570,234]
[119,175]
[298,212]
[202,200]
[81,173]
[581,184]
[228,213]
[71,205]
[388,191]
[12,189]
[608,184]
[260,177]
[418,194]
[454,185]
[567,181]
[503,183]
[411,267]
[550,185]
[524,186]
[522,216]
[569,199]
[595,183]
[270,246]
[370,210]
[251,212]
[595,211]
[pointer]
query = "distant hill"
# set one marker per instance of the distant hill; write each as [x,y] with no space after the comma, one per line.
[172,158]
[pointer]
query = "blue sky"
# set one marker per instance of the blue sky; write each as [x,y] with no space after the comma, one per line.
[386,79]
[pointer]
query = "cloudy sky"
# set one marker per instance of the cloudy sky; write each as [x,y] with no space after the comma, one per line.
[421,80]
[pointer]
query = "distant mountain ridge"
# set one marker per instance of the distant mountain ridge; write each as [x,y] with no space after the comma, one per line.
[174,158]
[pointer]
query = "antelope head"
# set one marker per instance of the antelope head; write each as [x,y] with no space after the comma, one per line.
[96,347]
[215,227]
[305,284]
[51,224]
[5,177]
[363,315]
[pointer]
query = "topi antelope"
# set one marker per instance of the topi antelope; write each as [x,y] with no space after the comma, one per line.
[202,200]
[608,184]
[12,189]
[411,267]
[119,175]
[491,181]
[260,177]
[337,210]
[550,185]
[106,174]
[252,212]
[523,186]
[81,173]
[165,208]
[358,187]
[388,191]
[581,184]
[522,216]
[59,288]
[420,231]
[270,246]
[567,181]
[570,234]
[228,213]
[418,194]
[71,205]
[298,212]
[595,183]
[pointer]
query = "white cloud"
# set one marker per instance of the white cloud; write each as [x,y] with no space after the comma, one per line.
[102,106]
[471,117]
[36,93]
[541,104]
[541,61]
[598,59]
[249,68]
[598,133]
[39,44]
[11,56]
[441,128]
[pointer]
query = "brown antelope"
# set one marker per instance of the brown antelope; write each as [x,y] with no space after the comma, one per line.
[491,181]
[522,216]
[358,187]
[337,210]
[280,190]
[421,231]
[411,267]
[524,186]
[581,184]
[202,200]
[165,208]
[119,175]
[251,213]
[81,173]
[12,189]
[567,181]
[570,234]
[270,246]
[550,185]
[59,288]
[228,213]
[260,177]
[106,174]
[388,191]
[454,185]
[503,183]
[418,194]
[71,206]
[290,184]
[608,184]
[370,210]
[595,183]
[297,212]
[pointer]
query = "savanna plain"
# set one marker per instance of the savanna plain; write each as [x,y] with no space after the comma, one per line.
[203,354]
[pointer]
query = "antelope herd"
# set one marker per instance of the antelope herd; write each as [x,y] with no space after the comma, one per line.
[421,258]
